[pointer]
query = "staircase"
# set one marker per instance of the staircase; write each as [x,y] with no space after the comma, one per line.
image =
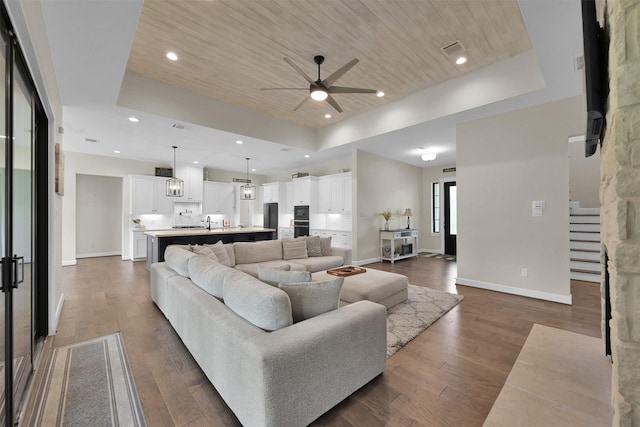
[584,227]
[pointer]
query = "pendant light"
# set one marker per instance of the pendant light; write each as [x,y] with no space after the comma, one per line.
[248,191]
[175,186]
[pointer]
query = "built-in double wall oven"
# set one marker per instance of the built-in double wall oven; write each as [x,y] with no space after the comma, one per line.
[300,221]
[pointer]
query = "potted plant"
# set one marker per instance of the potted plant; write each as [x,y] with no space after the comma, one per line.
[136,223]
[386,215]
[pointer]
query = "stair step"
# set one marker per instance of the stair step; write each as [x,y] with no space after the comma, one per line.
[587,277]
[584,236]
[585,256]
[588,228]
[584,211]
[584,219]
[585,266]
[585,246]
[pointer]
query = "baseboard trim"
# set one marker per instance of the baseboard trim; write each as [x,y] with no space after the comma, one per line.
[98,254]
[69,262]
[547,296]
[366,261]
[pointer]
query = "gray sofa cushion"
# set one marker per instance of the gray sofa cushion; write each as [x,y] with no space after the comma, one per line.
[273,276]
[252,269]
[294,248]
[319,263]
[257,252]
[325,246]
[205,251]
[177,258]
[265,306]
[208,274]
[313,246]
[221,253]
[310,299]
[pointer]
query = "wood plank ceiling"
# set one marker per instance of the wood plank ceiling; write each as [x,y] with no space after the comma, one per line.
[228,50]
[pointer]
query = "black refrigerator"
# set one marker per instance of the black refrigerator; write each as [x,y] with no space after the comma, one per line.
[270,215]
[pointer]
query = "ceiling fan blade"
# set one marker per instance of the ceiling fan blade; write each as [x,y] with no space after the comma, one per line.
[333,103]
[336,75]
[284,88]
[306,98]
[298,69]
[340,89]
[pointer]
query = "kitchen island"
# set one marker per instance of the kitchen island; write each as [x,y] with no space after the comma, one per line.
[157,241]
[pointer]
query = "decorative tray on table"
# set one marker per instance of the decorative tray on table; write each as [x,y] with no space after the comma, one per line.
[347,270]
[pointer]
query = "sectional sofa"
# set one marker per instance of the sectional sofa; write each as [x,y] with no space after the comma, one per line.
[269,370]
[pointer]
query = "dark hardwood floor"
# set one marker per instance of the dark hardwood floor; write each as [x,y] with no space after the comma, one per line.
[450,375]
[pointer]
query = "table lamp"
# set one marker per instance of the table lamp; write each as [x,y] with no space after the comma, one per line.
[408,213]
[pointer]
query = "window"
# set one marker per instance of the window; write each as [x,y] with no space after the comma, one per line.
[435,207]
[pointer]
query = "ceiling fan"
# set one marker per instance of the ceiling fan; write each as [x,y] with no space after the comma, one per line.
[321,90]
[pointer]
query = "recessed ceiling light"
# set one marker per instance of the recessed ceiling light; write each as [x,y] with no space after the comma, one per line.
[307,156]
[195,162]
[427,157]
[327,116]
[238,142]
[116,151]
[134,119]
[172,56]
[461,60]
[253,170]
[380,94]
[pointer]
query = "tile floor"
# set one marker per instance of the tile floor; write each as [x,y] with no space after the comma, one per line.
[559,379]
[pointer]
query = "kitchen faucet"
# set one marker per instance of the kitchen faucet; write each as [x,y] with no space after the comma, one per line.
[208,223]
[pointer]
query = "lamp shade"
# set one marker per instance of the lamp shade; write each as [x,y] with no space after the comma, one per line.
[407,212]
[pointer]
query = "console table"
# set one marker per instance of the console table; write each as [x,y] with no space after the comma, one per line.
[398,244]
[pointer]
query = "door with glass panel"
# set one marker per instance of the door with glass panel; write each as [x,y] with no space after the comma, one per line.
[450,218]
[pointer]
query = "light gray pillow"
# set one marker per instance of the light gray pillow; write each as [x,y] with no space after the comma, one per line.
[273,276]
[205,251]
[294,249]
[310,299]
[325,246]
[221,253]
[313,246]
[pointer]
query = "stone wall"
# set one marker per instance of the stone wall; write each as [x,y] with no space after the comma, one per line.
[620,197]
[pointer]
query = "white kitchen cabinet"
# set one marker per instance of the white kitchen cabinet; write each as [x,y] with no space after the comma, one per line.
[339,239]
[288,203]
[305,191]
[148,195]
[218,198]
[273,192]
[334,193]
[193,184]
[286,232]
[138,246]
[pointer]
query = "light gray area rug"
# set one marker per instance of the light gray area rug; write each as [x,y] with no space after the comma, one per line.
[407,320]
[88,384]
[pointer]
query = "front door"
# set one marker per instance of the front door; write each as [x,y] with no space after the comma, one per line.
[450,218]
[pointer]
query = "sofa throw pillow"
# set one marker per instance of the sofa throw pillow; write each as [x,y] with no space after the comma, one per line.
[294,249]
[221,253]
[310,299]
[204,250]
[325,246]
[274,276]
[313,246]
[208,274]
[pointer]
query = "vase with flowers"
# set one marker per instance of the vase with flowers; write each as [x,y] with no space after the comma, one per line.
[387,216]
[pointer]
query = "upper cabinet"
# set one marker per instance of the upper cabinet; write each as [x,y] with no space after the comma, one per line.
[193,184]
[288,203]
[148,195]
[334,193]
[273,192]
[219,198]
[305,191]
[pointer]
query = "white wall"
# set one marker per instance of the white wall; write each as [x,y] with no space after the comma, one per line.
[320,169]
[98,215]
[380,184]
[584,176]
[432,242]
[503,164]
[87,164]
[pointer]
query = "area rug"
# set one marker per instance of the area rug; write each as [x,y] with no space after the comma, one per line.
[88,383]
[440,256]
[407,320]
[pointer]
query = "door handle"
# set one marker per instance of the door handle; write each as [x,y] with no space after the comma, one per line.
[16,278]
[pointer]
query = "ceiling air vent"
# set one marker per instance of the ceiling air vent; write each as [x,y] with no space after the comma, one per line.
[453,48]
[95,141]
[179,126]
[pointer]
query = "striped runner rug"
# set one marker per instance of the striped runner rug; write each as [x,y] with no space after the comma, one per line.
[88,383]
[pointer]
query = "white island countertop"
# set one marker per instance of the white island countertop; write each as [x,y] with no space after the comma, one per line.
[205,232]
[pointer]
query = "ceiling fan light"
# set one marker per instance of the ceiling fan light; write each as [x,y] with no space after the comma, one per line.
[427,157]
[379,94]
[319,94]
